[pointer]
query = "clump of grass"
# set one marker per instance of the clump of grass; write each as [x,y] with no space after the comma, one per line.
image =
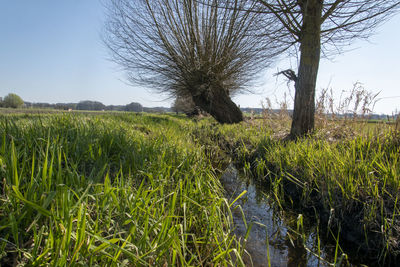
[346,117]
[357,178]
[109,190]
[277,121]
[397,123]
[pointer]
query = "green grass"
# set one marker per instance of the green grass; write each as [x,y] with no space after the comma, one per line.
[347,175]
[109,190]
[139,189]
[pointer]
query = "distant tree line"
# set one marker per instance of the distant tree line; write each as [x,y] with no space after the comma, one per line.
[14,101]
[88,105]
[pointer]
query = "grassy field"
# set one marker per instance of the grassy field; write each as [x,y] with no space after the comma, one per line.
[141,189]
[118,189]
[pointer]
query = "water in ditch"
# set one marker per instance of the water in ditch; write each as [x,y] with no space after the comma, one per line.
[277,238]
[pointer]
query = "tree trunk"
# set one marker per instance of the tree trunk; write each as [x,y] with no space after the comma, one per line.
[218,104]
[310,50]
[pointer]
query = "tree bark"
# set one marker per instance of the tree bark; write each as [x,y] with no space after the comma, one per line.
[217,103]
[310,50]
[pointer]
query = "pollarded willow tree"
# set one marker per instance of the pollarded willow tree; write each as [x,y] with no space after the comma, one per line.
[204,51]
[315,27]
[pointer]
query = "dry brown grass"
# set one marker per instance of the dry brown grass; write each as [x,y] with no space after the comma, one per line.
[335,119]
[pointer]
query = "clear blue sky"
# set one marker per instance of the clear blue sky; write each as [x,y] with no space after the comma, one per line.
[51,51]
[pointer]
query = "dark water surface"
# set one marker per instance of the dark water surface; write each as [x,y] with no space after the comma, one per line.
[273,227]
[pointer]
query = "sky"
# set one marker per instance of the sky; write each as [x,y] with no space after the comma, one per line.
[51,51]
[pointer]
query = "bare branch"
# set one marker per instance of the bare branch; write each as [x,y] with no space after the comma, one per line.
[189,49]
[289,74]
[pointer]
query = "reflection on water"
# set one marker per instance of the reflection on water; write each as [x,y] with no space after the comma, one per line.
[285,247]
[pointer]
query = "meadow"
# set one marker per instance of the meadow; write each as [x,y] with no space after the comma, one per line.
[142,189]
[117,189]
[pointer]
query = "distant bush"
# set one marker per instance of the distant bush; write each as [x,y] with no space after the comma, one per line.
[136,107]
[12,101]
[90,105]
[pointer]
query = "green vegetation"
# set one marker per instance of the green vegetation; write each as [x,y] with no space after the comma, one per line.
[358,179]
[12,101]
[346,176]
[109,190]
[117,188]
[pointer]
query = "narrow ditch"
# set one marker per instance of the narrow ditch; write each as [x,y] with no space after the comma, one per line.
[276,238]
